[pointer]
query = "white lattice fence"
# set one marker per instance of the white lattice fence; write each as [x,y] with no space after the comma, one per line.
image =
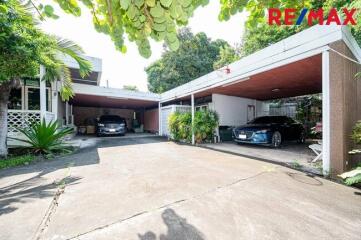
[21,119]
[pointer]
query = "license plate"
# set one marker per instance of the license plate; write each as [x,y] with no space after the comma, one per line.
[111,130]
[242,136]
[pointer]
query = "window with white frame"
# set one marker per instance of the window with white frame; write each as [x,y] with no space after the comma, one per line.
[202,107]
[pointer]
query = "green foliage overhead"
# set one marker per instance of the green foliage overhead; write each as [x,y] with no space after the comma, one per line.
[194,58]
[140,20]
[46,138]
[24,48]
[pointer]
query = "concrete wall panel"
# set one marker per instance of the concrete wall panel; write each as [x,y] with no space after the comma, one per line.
[345,102]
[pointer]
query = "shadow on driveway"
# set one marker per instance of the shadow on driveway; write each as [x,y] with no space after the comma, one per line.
[177,229]
[20,190]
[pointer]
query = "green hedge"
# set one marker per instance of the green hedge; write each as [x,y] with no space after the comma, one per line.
[205,123]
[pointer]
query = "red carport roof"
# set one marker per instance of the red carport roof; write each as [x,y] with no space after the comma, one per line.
[294,79]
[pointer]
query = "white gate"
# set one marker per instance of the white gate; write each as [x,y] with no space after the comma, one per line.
[166,111]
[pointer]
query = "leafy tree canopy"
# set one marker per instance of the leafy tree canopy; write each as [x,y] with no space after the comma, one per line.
[142,20]
[130,87]
[194,58]
[24,48]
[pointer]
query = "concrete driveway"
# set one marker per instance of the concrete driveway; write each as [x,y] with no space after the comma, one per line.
[147,188]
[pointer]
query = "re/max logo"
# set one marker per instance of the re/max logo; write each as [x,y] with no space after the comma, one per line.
[275,16]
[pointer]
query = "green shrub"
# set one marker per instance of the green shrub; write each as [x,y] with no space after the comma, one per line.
[205,123]
[180,126]
[46,138]
[16,161]
[354,176]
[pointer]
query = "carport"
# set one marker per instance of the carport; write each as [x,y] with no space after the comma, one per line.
[90,102]
[322,59]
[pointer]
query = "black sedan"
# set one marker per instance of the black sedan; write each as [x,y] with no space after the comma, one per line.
[111,125]
[269,130]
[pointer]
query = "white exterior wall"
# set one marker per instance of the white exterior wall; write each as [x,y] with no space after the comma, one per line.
[164,115]
[262,108]
[232,111]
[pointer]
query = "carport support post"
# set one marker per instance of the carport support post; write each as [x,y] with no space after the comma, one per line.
[66,113]
[42,86]
[192,101]
[326,145]
[160,119]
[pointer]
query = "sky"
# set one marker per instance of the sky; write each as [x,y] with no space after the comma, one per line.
[128,69]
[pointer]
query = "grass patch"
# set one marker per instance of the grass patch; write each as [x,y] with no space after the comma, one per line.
[295,164]
[17,161]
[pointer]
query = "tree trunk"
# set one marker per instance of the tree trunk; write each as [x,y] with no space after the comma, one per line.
[4,98]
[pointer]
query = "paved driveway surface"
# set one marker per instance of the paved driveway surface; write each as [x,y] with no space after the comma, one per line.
[147,189]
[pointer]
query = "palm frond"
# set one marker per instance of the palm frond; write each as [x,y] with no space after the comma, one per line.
[73,50]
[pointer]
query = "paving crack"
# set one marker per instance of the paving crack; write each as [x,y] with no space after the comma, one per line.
[44,224]
[178,202]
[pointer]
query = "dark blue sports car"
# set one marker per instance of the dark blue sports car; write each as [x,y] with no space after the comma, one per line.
[269,130]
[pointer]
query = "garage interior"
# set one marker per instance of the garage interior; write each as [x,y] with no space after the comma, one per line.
[140,115]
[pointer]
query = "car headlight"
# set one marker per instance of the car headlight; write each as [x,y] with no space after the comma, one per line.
[100,125]
[263,131]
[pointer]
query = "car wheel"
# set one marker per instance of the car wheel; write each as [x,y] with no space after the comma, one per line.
[276,139]
[302,138]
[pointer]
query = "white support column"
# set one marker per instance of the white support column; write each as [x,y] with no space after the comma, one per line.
[42,85]
[71,114]
[54,99]
[159,119]
[192,100]
[66,113]
[326,128]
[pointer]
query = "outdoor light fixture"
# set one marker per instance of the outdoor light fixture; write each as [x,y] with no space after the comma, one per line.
[276,90]
[240,80]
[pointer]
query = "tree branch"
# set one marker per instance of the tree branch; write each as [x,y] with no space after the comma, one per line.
[37,10]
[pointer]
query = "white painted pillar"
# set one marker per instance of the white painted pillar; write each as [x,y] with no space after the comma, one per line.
[66,113]
[71,114]
[159,119]
[42,93]
[192,101]
[54,99]
[326,128]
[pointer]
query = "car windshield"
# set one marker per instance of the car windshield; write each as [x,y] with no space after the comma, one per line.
[271,119]
[111,118]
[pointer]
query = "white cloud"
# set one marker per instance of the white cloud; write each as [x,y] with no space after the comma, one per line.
[128,69]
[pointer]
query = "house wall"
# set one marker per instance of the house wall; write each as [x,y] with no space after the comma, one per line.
[345,107]
[232,111]
[81,114]
[151,122]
